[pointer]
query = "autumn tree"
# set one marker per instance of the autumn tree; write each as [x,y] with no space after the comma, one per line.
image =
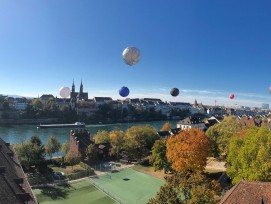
[221,133]
[158,157]
[116,141]
[188,150]
[265,123]
[65,148]
[166,127]
[52,146]
[72,159]
[249,156]
[101,136]
[193,188]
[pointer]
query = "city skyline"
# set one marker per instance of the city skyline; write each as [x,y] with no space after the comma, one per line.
[207,50]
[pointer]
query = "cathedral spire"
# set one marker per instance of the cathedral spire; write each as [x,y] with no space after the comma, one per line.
[81,87]
[73,86]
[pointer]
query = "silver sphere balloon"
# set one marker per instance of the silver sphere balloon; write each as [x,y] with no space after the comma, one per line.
[64,92]
[131,55]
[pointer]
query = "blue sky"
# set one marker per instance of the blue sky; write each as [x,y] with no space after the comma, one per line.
[207,49]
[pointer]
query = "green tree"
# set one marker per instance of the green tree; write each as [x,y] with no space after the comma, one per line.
[52,146]
[139,140]
[65,148]
[158,157]
[72,159]
[166,127]
[101,136]
[221,133]
[91,153]
[166,195]
[5,105]
[249,156]
[31,152]
[151,136]
[36,140]
[135,142]
[37,104]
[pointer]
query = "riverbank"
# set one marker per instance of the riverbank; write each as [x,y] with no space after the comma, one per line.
[57,121]
[28,121]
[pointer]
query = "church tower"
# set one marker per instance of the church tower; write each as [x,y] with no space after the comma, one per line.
[195,103]
[81,87]
[73,87]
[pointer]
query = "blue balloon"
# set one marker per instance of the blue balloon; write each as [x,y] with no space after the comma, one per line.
[124,91]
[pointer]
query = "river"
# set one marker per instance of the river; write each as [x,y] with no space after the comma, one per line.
[18,133]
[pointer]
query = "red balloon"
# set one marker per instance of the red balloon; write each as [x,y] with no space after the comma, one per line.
[231,96]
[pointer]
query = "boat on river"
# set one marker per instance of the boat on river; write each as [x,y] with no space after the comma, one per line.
[73,125]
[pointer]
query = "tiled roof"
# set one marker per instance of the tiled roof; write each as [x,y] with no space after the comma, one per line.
[102,99]
[14,187]
[190,120]
[47,96]
[248,192]
[152,99]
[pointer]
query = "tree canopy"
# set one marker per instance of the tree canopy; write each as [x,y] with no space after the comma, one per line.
[192,188]
[139,140]
[65,148]
[116,141]
[249,156]
[221,133]
[158,157]
[188,150]
[52,146]
[31,152]
[101,136]
[166,127]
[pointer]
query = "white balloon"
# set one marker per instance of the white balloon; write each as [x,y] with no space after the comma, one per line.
[131,55]
[64,92]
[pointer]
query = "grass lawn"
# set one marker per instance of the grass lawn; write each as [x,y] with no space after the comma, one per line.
[149,170]
[68,169]
[130,186]
[82,193]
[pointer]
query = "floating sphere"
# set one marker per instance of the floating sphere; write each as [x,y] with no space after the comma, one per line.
[131,55]
[64,92]
[269,89]
[174,92]
[231,96]
[124,91]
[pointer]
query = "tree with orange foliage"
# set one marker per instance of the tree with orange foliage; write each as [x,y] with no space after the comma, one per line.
[187,151]
[166,127]
[116,141]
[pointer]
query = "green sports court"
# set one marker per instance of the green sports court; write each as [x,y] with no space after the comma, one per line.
[129,186]
[82,193]
[126,186]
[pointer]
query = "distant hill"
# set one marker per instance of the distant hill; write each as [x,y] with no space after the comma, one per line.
[15,96]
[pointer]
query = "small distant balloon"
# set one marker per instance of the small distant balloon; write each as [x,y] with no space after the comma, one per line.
[269,89]
[231,96]
[124,91]
[174,92]
[64,92]
[131,55]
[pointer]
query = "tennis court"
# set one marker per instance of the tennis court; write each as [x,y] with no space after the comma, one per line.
[129,186]
[82,193]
